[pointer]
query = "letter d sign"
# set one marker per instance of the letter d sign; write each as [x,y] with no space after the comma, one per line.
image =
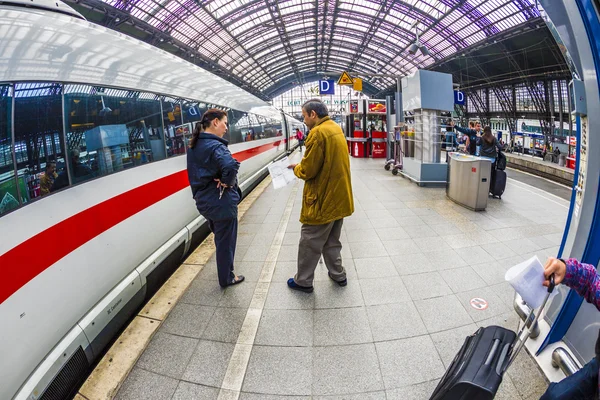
[459,97]
[326,87]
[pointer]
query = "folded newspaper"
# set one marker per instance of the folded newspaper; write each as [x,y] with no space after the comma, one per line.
[527,279]
[281,175]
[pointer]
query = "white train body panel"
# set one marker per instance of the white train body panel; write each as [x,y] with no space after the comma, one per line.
[59,303]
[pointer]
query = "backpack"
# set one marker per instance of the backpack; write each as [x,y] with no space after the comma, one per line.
[501,161]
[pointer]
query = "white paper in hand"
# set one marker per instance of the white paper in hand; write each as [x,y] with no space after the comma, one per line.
[527,279]
[281,175]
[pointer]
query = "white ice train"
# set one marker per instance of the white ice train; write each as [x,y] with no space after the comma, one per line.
[114,115]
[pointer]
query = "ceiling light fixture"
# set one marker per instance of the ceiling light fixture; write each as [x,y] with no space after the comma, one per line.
[417,45]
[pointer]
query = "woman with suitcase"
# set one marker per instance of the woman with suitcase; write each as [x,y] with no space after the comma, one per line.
[490,148]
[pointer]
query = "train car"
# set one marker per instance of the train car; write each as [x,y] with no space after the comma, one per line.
[95,207]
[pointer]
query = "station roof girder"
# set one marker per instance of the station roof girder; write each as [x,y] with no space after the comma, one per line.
[265,44]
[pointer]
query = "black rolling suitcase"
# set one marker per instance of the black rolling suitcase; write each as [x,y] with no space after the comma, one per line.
[498,184]
[477,370]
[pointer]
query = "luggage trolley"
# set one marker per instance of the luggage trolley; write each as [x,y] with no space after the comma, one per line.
[395,164]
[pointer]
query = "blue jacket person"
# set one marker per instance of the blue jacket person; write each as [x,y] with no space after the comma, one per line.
[212,172]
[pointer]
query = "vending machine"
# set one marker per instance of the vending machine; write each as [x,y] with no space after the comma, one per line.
[356,132]
[377,127]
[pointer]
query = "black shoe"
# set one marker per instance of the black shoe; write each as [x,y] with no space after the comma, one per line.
[294,286]
[341,283]
[236,280]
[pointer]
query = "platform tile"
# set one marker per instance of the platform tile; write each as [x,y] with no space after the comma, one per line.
[209,363]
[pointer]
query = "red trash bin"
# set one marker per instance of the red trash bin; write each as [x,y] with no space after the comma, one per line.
[378,150]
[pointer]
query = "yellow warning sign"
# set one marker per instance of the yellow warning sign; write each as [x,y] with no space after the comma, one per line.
[345,79]
[357,84]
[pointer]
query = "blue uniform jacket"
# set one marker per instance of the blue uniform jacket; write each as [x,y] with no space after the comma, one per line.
[210,159]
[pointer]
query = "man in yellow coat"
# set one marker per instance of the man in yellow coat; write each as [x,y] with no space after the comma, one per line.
[327,197]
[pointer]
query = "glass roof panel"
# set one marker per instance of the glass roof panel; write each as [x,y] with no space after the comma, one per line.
[242,35]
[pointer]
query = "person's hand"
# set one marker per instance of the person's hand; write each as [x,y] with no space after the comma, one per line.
[220,184]
[452,123]
[556,267]
[292,166]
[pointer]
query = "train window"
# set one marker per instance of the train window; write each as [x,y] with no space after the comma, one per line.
[192,113]
[255,131]
[265,128]
[174,126]
[109,130]
[39,142]
[9,196]
[238,126]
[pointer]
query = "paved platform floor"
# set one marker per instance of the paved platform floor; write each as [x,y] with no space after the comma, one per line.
[414,261]
[553,188]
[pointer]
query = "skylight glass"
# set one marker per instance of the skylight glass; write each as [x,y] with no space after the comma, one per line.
[245,37]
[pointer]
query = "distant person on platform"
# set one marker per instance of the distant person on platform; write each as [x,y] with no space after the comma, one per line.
[472,133]
[300,138]
[47,180]
[79,173]
[212,173]
[326,200]
[490,147]
[450,137]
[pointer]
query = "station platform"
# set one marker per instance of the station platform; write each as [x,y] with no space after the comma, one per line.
[414,261]
[539,167]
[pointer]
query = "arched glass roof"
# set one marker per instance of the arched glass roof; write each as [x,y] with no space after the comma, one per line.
[267,43]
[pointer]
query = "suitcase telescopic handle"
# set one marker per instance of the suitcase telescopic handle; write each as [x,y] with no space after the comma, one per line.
[550,286]
[521,343]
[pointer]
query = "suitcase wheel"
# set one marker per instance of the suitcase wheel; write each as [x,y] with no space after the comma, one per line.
[387,167]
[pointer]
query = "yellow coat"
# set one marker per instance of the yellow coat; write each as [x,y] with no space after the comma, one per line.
[326,170]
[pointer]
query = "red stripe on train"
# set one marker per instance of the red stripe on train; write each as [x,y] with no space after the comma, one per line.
[18,267]
[243,155]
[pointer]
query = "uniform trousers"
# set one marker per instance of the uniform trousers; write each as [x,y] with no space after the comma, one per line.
[225,240]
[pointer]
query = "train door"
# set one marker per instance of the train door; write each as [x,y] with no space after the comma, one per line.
[286,132]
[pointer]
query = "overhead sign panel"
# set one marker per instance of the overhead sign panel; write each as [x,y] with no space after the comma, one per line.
[326,87]
[459,98]
[357,85]
[376,106]
[345,79]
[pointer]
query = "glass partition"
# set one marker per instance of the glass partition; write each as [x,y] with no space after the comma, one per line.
[65,134]
[9,197]
[174,127]
[109,130]
[39,143]
[238,123]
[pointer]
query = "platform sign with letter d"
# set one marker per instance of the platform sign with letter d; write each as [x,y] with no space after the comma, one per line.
[326,87]
[459,98]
